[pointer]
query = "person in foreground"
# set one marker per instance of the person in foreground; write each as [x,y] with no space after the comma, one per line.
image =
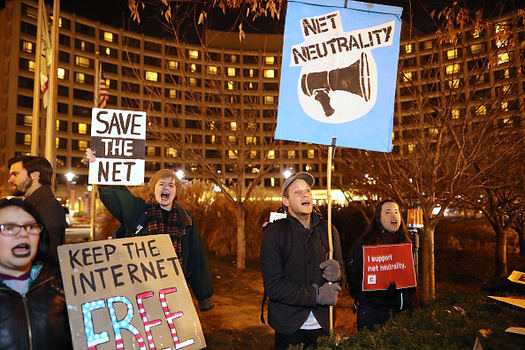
[162,214]
[33,311]
[377,307]
[299,279]
[32,178]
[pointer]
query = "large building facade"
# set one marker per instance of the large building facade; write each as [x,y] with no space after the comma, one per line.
[177,85]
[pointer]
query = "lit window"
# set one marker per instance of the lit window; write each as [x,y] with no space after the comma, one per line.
[455,114]
[82,145]
[253,155]
[82,45]
[193,81]
[82,61]
[230,85]
[173,93]
[408,48]
[311,154]
[451,54]
[80,77]
[291,154]
[28,120]
[173,64]
[411,148]
[506,74]
[476,48]
[212,70]
[108,51]
[231,72]
[407,76]
[61,73]
[454,83]
[31,66]
[452,68]
[269,60]
[232,139]
[82,128]
[213,139]
[503,57]
[171,152]
[152,76]
[505,106]
[269,100]
[481,110]
[27,139]
[271,154]
[150,151]
[193,53]
[428,45]
[251,140]
[108,36]
[251,73]
[27,46]
[233,126]
[506,88]
[193,67]
[269,73]
[232,154]
[233,58]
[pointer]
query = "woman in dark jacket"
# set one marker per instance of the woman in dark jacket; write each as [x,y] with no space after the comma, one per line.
[376,307]
[162,214]
[33,312]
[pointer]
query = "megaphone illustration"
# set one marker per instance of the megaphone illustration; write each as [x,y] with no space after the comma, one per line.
[354,79]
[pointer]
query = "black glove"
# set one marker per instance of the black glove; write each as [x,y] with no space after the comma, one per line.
[327,294]
[331,270]
[390,291]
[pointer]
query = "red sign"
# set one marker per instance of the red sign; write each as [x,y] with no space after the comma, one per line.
[383,264]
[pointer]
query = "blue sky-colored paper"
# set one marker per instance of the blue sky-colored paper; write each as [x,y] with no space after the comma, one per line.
[346,88]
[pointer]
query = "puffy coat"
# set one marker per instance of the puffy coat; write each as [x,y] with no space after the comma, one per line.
[37,320]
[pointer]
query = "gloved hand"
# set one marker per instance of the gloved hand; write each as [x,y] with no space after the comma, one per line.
[390,291]
[331,270]
[327,294]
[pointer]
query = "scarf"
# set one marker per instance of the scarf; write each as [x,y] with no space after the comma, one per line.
[156,224]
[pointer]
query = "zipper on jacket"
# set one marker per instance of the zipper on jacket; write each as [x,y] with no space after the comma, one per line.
[29,330]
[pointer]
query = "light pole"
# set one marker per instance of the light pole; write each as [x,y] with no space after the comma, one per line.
[70,176]
[415,222]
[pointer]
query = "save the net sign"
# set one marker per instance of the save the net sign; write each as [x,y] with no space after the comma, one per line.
[128,293]
[118,140]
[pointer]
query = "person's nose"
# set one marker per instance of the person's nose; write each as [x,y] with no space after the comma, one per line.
[19,233]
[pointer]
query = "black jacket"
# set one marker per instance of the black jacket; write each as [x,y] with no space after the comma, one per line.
[38,320]
[290,269]
[52,215]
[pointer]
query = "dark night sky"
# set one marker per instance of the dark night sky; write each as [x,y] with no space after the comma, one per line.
[116,12]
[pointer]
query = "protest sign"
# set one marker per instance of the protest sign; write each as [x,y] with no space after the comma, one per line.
[383,264]
[339,73]
[118,140]
[128,293]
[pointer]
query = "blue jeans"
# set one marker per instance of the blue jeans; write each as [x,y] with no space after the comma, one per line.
[306,337]
[368,318]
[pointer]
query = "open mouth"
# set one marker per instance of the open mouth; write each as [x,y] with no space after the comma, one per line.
[305,203]
[22,250]
[165,196]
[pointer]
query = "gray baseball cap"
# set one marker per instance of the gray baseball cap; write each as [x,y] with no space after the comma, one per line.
[302,175]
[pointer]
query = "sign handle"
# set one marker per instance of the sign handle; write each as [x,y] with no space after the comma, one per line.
[329,219]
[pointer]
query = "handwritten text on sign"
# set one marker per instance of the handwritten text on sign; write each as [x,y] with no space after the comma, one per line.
[118,141]
[383,264]
[128,293]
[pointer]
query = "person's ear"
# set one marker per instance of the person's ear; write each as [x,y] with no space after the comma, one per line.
[35,175]
[286,202]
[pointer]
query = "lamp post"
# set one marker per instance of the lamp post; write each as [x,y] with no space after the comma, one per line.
[415,222]
[70,176]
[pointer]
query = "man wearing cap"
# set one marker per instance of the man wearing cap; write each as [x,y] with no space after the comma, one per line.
[299,279]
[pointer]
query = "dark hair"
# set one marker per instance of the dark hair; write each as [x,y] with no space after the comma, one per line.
[32,164]
[376,232]
[43,243]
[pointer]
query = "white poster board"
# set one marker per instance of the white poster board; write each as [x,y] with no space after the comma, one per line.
[118,140]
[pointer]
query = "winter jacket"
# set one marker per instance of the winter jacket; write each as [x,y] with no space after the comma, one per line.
[52,215]
[127,209]
[384,301]
[290,258]
[38,320]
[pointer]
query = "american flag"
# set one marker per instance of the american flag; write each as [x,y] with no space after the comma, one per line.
[103,96]
[45,58]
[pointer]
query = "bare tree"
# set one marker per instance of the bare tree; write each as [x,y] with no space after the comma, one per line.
[456,91]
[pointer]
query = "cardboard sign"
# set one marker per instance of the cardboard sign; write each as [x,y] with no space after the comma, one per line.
[118,140]
[339,73]
[128,293]
[383,264]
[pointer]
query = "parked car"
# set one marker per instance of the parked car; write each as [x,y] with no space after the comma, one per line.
[69,217]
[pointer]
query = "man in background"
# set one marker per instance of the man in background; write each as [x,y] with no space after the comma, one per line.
[31,177]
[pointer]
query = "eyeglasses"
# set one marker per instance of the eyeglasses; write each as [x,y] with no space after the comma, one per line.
[13,229]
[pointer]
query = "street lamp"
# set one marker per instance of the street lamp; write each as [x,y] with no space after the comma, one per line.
[415,222]
[70,176]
